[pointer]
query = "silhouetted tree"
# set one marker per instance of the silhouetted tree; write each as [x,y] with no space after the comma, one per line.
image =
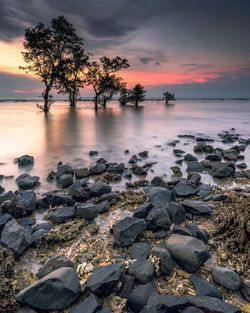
[101,76]
[168,96]
[46,49]
[125,95]
[137,94]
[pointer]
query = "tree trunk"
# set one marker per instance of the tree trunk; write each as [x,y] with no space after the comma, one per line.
[72,98]
[46,100]
[136,103]
[96,102]
[104,102]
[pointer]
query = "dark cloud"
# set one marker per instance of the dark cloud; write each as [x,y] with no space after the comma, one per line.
[145,60]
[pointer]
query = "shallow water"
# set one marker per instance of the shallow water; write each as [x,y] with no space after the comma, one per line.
[67,134]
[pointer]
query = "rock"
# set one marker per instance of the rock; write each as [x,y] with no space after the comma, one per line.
[111,197]
[134,159]
[116,168]
[97,169]
[139,170]
[197,207]
[181,230]
[127,230]
[3,220]
[219,197]
[105,310]
[178,151]
[142,270]
[63,214]
[65,180]
[158,218]
[127,283]
[57,200]
[98,189]
[54,291]
[25,160]
[183,189]
[38,234]
[194,166]
[225,171]
[143,154]
[226,277]
[140,250]
[87,211]
[43,225]
[25,181]
[7,196]
[204,190]
[189,157]
[26,310]
[194,179]
[241,166]
[104,280]
[157,181]
[230,157]
[190,253]
[64,169]
[213,157]
[82,172]
[176,170]
[166,261]
[54,263]
[2,189]
[139,296]
[16,237]
[93,153]
[245,291]
[176,212]
[90,305]
[77,191]
[127,174]
[199,147]
[143,210]
[204,288]
[159,196]
[42,203]
[192,309]
[103,206]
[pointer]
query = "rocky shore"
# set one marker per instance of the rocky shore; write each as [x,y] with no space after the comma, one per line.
[161,245]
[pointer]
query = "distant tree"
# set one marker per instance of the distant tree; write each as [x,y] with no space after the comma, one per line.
[101,76]
[168,96]
[125,95]
[46,49]
[137,94]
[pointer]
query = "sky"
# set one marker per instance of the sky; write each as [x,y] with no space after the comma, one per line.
[195,48]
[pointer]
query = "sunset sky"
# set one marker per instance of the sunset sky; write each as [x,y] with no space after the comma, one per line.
[195,48]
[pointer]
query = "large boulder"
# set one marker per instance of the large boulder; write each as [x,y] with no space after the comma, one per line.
[16,237]
[159,196]
[54,291]
[54,263]
[25,181]
[90,305]
[127,230]
[184,189]
[98,189]
[4,220]
[60,215]
[142,270]
[226,277]
[197,207]
[190,253]
[104,280]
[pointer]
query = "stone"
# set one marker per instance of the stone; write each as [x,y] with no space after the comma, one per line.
[134,159]
[157,181]
[25,181]
[57,200]
[204,190]
[189,157]
[105,310]
[53,263]
[194,179]
[183,189]
[87,211]
[64,169]
[25,160]
[116,168]
[194,166]
[127,174]
[143,210]
[127,283]
[204,287]
[139,296]
[196,207]
[98,189]
[159,196]
[16,237]
[77,191]
[82,172]
[104,280]
[166,261]
[245,291]
[226,277]
[9,195]
[190,253]
[55,291]
[111,197]
[139,170]
[224,171]
[192,309]
[140,250]
[158,218]
[60,215]
[97,169]
[103,206]
[38,235]
[213,157]
[176,212]
[181,230]
[90,305]
[65,180]
[219,197]
[230,157]
[93,153]
[241,166]
[142,270]
[3,220]
[176,170]
[26,310]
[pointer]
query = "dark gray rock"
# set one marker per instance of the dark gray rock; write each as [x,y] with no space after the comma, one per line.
[25,160]
[140,250]
[134,159]
[127,174]
[226,277]
[139,170]
[7,196]
[143,210]
[197,207]
[97,169]
[60,215]
[57,200]
[189,157]
[159,196]
[157,181]
[111,197]
[104,280]
[82,172]
[3,220]
[194,179]
[65,180]
[87,211]
[105,310]
[54,291]
[158,218]
[98,189]
[42,203]
[192,309]
[245,291]
[194,166]
[204,287]
[127,230]
[214,157]
[142,270]
[219,197]
[127,283]
[38,235]
[103,206]
[183,189]
[26,310]
[16,237]
[90,305]
[225,171]
[190,253]
[166,261]
[181,230]
[25,181]
[204,190]
[176,212]
[139,296]
[116,168]
[54,263]
[77,191]
[43,225]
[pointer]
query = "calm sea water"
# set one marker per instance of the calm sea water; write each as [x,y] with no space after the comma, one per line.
[67,134]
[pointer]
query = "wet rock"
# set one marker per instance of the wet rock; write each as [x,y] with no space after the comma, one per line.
[213,157]
[190,253]
[82,172]
[176,170]
[197,207]
[158,218]
[159,196]
[127,174]
[26,221]
[194,166]
[77,191]
[104,280]
[87,211]
[245,291]
[98,189]
[139,170]
[2,189]
[204,190]
[134,159]
[224,171]
[64,169]
[140,250]
[43,225]
[143,154]
[16,237]
[166,261]
[183,189]
[25,181]
[3,220]
[157,181]
[127,283]
[139,296]
[103,206]
[93,153]
[194,179]
[204,287]
[25,160]
[116,168]
[42,203]
[226,277]
[65,180]
[63,214]
[97,169]
[190,157]
[54,263]
[26,310]
[38,235]
[54,291]
[57,200]
[143,210]
[105,310]
[142,270]
[230,157]
[111,197]
[181,230]
[90,305]
[241,166]
[219,197]
[127,230]
[178,151]
[199,147]
[192,309]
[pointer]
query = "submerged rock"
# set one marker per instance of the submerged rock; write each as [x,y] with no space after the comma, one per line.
[25,160]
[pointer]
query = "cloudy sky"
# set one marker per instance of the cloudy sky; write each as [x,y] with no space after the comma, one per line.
[195,48]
